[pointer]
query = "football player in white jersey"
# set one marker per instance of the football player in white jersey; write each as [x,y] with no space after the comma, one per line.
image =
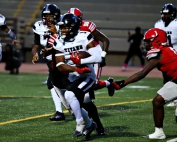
[67,60]
[7,30]
[42,31]
[168,23]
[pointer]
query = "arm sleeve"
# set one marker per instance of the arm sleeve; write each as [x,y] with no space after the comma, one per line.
[94,58]
[36,39]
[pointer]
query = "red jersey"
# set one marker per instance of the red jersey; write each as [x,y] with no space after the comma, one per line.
[89,26]
[168,63]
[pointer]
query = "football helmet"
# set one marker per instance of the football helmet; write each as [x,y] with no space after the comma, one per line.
[154,38]
[50,9]
[170,9]
[72,23]
[77,12]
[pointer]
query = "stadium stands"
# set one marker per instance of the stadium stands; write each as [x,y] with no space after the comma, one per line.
[113,17]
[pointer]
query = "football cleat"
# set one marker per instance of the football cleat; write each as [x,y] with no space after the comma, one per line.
[79,129]
[111,89]
[100,131]
[58,116]
[89,130]
[156,135]
[172,104]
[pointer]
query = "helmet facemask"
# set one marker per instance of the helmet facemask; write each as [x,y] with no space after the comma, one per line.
[146,46]
[53,11]
[69,26]
[168,13]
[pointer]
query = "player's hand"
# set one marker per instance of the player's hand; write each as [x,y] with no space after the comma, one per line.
[118,84]
[83,70]
[52,39]
[35,58]
[52,29]
[103,62]
[16,42]
[45,50]
[75,58]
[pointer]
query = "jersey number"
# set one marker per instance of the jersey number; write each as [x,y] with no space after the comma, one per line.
[169,40]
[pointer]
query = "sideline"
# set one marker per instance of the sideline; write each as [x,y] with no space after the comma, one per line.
[66,111]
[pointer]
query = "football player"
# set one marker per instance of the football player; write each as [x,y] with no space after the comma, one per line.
[162,56]
[7,30]
[67,60]
[42,31]
[98,36]
[168,23]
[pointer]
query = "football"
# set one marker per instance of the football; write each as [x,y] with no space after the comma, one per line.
[84,54]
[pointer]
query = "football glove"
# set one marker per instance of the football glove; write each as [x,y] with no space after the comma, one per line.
[75,58]
[118,84]
[103,62]
[52,39]
[83,70]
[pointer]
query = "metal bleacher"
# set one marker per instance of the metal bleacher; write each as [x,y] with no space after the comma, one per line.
[113,17]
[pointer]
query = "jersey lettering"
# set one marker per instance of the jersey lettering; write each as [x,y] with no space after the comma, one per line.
[71,49]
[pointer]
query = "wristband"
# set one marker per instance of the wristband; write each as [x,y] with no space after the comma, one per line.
[103,54]
[11,34]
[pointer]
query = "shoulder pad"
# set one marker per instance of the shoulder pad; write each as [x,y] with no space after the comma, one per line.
[88,26]
[38,27]
[2,20]
[153,53]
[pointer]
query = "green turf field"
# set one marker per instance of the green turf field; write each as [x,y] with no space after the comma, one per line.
[26,105]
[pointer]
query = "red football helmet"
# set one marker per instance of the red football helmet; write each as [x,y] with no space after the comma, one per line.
[76,11]
[154,38]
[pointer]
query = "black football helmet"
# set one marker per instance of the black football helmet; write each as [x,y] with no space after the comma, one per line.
[169,8]
[51,9]
[71,21]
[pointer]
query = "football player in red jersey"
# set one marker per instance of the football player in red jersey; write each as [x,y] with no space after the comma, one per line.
[165,59]
[98,36]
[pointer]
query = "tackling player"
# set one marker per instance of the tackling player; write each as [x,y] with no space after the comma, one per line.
[162,56]
[7,30]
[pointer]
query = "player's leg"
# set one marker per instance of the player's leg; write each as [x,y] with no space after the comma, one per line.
[58,115]
[158,108]
[78,89]
[90,107]
[99,84]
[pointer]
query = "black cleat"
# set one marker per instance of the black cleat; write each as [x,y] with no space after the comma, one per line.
[58,116]
[77,133]
[89,130]
[111,89]
[100,131]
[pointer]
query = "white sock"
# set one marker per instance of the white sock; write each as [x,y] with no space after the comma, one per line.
[88,121]
[56,100]
[74,104]
[107,83]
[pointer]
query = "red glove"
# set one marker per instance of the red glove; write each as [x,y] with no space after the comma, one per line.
[118,84]
[52,39]
[83,70]
[75,58]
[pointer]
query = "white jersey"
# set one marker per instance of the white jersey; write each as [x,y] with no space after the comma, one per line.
[2,22]
[171,31]
[79,43]
[42,30]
